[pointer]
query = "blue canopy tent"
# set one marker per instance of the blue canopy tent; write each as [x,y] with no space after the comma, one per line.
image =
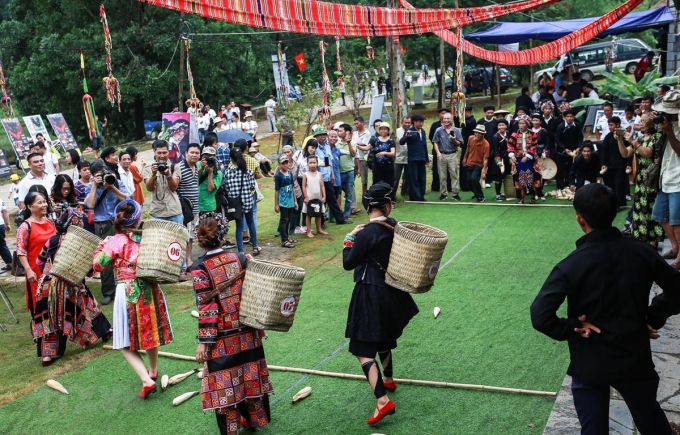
[507,33]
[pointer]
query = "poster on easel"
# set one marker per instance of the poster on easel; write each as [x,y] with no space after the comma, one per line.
[63,132]
[35,126]
[20,144]
[179,130]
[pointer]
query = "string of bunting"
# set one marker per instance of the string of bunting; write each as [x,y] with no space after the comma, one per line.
[109,82]
[5,101]
[544,52]
[193,99]
[335,19]
[324,111]
[88,103]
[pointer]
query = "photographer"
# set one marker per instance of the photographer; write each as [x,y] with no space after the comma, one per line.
[666,209]
[103,196]
[161,179]
[209,179]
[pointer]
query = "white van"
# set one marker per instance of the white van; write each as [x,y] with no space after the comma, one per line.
[590,58]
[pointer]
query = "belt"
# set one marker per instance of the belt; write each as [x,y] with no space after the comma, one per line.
[450,152]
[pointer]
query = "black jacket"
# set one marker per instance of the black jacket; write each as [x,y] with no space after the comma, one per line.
[551,127]
[608,278]
[568,138]
[582,170]
[525,101]
[610,156]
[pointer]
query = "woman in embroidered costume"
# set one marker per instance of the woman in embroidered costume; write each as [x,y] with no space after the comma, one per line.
[69,310]
[140,314]
[522,152]
[501,164]
[542,150]
[236,379]
[32,235]
[377,313]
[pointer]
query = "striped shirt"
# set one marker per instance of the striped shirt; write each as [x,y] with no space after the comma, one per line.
[188,183]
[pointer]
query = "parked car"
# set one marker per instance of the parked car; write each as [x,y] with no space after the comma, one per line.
[590,58]
[474,82]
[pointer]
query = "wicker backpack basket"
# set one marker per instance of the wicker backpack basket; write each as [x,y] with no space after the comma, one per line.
[270,295]
[416,253]
[74,257]
[160,251]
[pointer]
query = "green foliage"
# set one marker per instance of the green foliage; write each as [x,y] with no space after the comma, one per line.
[623,86]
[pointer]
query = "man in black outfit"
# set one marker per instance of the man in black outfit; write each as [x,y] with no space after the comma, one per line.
[568,138]
[607,281]
[586,167]
[435,165]
[466,130]
[524,100]
[550,121]
[613,165]
[575,88]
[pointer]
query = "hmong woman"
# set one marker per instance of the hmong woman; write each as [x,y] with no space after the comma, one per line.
[72,309]
[32,235]
[377,313]
[499,153]
[542,142]
[140,314]
[236,379]
[522,152]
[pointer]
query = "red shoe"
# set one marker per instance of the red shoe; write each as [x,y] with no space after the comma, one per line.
[152,377]
[146,391]
[388,409]
[390,386]
[243,422]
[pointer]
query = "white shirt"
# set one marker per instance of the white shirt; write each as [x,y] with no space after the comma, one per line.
[270,105]
[249,127]
[29,180]
[602,126]
[625,123]
[670,166]
[203,122]
[363,138]
[236,126]
[536,97]
[593,94]
[14,190]
[401,157]
[211,113]
[127,179]
[50,163]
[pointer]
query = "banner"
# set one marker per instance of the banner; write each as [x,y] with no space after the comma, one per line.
[20,144]
[179,130]
[63,132]
[282,83]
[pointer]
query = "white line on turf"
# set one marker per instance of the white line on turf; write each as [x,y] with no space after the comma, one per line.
[474,238]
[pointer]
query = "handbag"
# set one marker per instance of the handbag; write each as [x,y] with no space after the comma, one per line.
[187,209]
[234,205]
[315,208]
[259,196]
[652,175]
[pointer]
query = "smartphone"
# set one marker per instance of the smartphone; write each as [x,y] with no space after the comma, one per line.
[326,161]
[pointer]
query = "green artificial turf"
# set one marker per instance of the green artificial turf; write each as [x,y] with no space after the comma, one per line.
[482,336]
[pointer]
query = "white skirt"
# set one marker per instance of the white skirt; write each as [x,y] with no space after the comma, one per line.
[121,322]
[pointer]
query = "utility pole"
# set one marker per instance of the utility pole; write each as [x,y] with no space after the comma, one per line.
[531,67]
[182,52]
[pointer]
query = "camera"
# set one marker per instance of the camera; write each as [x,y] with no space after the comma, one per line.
[210,161]
[661,118]
[108,177]
[162,166]
[620,132]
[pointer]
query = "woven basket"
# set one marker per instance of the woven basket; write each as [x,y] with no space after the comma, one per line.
[160,251]
[74,257]
[270,295]
[509,187]
[416,253]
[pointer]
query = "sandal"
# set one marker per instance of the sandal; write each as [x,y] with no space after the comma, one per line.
[256,251]
[286,244]
[292,240]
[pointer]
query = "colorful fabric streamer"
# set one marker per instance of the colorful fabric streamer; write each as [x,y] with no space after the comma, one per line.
[282,91]
[5,101]
[110,83]
[544,52]
[324,111]
[88,103]
[193,99]
[336,19]
[338,64]
[458,97]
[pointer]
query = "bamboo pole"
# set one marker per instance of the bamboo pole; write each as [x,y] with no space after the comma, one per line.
[489,204]
[363,378]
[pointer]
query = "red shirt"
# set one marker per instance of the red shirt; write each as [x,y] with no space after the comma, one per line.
[642,67]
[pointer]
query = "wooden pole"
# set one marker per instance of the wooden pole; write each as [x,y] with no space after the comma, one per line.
[181,63]
[441,100]
[363,378]
[531,66]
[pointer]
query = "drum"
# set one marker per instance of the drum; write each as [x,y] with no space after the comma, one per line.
[160,251]
[74,258]
[270,295]
[416,254]
[547,168]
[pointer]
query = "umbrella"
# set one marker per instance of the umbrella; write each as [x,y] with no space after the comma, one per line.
[587,102]
[231,136]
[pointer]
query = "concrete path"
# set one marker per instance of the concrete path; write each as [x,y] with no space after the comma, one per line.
[666,355]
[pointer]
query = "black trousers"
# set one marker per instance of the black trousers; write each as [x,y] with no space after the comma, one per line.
[474,174]
[617,180]
[104,229]
[285,216]
[332,202]
[564,164]
[592,405]
[384,172]
[416,181]
[398,169]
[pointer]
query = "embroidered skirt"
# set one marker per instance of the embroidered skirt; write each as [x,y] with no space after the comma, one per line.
[142,325]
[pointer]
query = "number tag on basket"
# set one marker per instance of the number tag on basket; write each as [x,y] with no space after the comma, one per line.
[434,269]
[175,251]
[288,306]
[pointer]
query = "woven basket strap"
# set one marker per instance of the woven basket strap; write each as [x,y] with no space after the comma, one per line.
[221,287]
[382,223]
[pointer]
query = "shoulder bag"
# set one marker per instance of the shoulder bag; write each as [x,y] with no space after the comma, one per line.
[652,175]
[234,205]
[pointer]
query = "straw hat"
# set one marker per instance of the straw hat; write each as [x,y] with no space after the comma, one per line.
[248,113]
[384,124]
[669,104]
[480,129]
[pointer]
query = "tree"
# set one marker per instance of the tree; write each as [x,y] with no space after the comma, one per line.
[622,86]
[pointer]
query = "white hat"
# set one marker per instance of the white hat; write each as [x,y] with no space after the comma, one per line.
[248,113]
[337,125]
[669,104]
[384,124]
[480,129]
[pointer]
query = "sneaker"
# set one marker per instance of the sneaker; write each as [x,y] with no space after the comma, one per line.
[278,234]
[627,197]
[457,197]
[499,198]
[228,245]
[442,197]
[482,199]
[502,197]
[301,230]
[487,185]
[246,240]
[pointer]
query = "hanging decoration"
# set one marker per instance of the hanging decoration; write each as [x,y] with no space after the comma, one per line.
[369,50]
[338,65]
[88,103]
[458,97]
[5,100]
[193,100]
[109,82]
[336,19]
[324,111]
[544,52]
[282,91]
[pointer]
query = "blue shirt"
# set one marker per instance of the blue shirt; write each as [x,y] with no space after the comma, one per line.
[223,155]
[322,152]
[106,209]
[284,185]
[417,145]
[336,165]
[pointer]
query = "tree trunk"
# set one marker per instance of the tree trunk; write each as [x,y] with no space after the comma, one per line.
[140,131]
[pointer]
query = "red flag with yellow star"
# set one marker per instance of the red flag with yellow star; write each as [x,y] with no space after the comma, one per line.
[300,61]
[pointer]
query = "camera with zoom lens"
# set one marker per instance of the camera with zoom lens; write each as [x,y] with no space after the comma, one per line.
[211,161]
[661,118]
[108,177]
[162,166]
